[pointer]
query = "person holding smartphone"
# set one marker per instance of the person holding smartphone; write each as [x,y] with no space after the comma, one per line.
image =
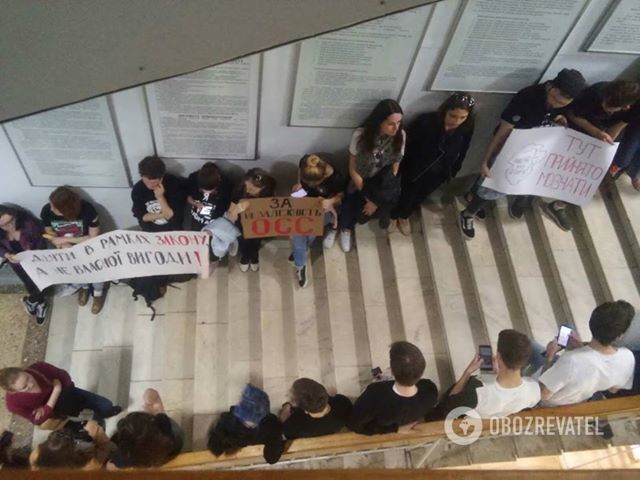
[596,366]
[500,389]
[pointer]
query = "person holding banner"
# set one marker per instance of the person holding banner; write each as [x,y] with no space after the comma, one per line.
[437,143]
[19,231]
[320,179]
[256,183]
[602,111]
[376,144]
[534,106]
[69,220]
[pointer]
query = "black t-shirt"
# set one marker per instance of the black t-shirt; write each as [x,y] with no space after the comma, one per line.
[144,201]
[300,424]
[630,116]
[215,203]
[381,410]
[71,228]
[332,185]
[589,106]
[528,108]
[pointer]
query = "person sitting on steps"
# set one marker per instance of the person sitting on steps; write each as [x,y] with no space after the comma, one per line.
[534,106]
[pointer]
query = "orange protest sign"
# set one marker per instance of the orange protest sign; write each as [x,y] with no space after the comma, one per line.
[282,216]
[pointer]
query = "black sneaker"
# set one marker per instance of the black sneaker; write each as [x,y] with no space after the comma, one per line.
[516,210]
[557,211]
[481,214]
[301,275]
[29,307]
[466,226]
[41,311]
[291,261]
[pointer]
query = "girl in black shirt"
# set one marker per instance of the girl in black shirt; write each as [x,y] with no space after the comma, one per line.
[256,183]
[437,143]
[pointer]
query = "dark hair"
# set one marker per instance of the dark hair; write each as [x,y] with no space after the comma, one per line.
[371,125]
[309,395]
[67,201]
[463,101]
[514,348]
[8,377]
[610,320]
[313,168]
[144,440]
[260,179]
[62,450]
[152,167]
[209,176]
[407,363]
[18,214]
[621,93]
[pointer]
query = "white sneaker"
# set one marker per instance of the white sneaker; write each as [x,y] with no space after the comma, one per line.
[345,240]
[233,249]
[244,267]
[330,238]
[254,267]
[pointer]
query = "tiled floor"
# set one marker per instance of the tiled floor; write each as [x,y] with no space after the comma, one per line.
[443,293]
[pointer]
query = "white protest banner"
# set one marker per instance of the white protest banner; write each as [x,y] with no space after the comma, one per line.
[554,162]
[117,255]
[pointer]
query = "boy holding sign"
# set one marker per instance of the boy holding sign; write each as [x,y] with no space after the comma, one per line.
[534,106]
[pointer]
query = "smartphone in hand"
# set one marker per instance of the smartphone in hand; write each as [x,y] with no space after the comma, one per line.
[563,336]
[486,354]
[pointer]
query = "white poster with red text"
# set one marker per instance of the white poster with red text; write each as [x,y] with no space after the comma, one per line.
[555,162]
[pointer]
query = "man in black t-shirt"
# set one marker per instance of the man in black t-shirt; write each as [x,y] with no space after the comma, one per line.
[386,407]
[312,413]
[158,198]
[534,106]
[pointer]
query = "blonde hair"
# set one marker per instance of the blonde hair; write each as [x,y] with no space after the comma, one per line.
[8,376]
[314,169]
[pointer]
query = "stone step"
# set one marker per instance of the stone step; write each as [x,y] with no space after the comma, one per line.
[455,293]
[534,283]
[347,333]
[626,201]
[492,278]
[418,305]
[610,249]
[571,269]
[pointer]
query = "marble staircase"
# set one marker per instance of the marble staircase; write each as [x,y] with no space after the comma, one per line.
[433,288]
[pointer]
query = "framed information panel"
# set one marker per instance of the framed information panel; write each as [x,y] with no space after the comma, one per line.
[73,145]
[502,46]
[212,113]
[342,75]
[620,32]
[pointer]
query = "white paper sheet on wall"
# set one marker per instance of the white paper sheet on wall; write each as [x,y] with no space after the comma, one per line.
[212,113]
[74,145]
[620,33]
[342,75]
[504,46]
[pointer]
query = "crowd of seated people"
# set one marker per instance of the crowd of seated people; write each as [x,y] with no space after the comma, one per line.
[522,375]
[390,172]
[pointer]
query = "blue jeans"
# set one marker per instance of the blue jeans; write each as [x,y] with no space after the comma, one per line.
[628,154]
[73,400]
[302,243]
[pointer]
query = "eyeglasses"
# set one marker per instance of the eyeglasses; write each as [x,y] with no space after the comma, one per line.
[464,98]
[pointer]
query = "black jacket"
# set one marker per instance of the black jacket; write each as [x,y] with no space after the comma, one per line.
[430,149]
